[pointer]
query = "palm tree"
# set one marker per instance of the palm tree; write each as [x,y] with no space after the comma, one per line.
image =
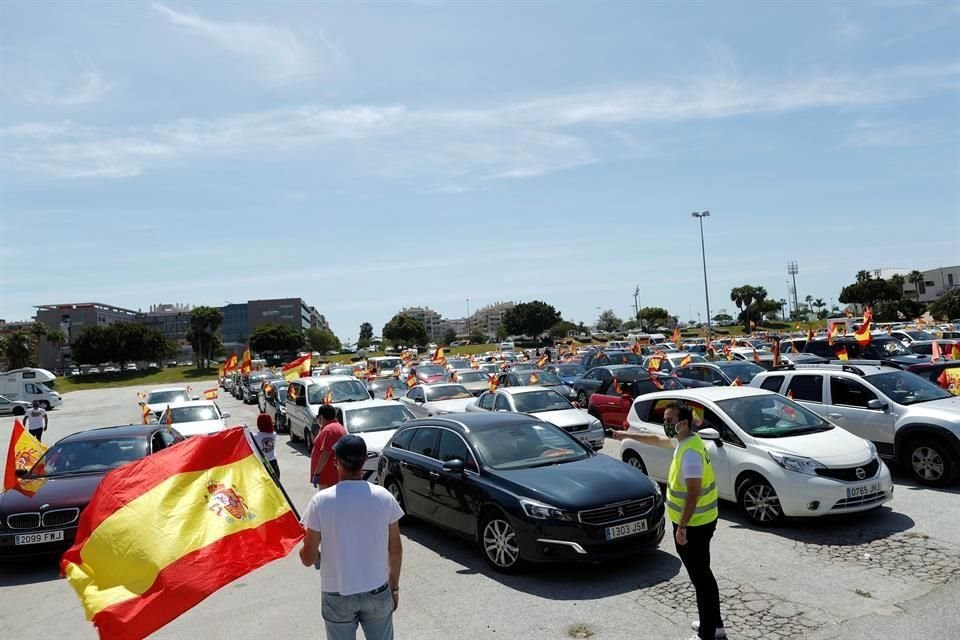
[898,281]
[38,330]
[737,297]
[863,276]
[57,338]
[17,349]
[819,304]
[916,278]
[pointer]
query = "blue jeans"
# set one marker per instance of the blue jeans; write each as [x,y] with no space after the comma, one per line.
[373,612]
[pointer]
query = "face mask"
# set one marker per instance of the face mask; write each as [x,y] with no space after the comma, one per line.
[670,429]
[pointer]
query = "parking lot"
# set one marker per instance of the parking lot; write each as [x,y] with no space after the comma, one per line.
[894,572]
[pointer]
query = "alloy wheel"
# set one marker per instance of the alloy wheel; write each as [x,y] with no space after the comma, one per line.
[500,543]
[761,503]
[927,463]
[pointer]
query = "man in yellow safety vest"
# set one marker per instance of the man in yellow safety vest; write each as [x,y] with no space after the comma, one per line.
[692,508]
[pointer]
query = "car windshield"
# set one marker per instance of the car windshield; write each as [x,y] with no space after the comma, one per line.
[192,414]
[919,335]
[538,401]
[629,374]
[772,416]
[546,378]
[881,349]
[88,456]
[571,370]
[429,370]
[619,357]
[746,371]
[904,387]
[376,418]
[490,368]
[380,387]
[281,390]
[340,371]
[446,392]
[256,377]
[388,364]
[523,446]
[340,391]
[169,396]
[472,376]
[458,364]
[523,366]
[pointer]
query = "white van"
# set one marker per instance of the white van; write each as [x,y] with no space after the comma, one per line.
[506,346]
[657,338]
[28,384]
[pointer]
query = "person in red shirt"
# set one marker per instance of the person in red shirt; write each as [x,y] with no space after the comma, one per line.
[323,471]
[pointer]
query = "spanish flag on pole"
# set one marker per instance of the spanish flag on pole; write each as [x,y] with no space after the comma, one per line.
[23,453]
[146,414]
[842,354]
[163,533]
[246,365]
[231,364]
[299,368]
[863,333]
[211,394]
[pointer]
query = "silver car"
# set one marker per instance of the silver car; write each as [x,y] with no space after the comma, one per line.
[425,400]
[10,407]
[547,405]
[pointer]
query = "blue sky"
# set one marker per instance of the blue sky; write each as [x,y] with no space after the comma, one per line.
[373,156]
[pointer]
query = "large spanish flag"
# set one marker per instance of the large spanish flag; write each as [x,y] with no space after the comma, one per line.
[231,364]
[299,368]
[23,453]
[163,533]
[863,333]
[246,365]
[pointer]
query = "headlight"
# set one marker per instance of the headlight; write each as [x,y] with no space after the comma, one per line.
[658,495]
[808,466]
[595,424]
[541,511]
[873,449]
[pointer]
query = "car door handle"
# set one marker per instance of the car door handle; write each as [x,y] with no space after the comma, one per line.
[834,415]
[434,474]
[404,464]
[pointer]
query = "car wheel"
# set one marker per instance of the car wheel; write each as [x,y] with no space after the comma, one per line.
[45,405]
[582,399]
[394,488]
[759,502]
[308,440]
[633,459]
[19,411]
[498,541]
[931,462]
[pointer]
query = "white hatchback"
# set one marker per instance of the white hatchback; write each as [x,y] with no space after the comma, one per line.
[770,455]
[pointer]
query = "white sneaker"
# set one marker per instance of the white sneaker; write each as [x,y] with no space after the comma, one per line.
[721,632]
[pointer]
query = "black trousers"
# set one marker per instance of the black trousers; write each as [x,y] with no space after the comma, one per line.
[695,556]
[38,434]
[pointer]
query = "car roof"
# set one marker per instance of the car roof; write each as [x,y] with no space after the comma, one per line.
[712,394]
[515,391]
[184,389]
[190,403]
[479,421]
[120,431]
[616,367]
[322,379]
[364,404]
[861,369]
[376,358]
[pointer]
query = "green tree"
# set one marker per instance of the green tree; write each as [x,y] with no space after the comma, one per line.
[404,329]
[722,317]
[916,279]
[630,325]
[898,281]
[366,334]
[743,296]
[478,338]
[323,341]
[863,276]
[449,336]
[120,342]
[57,338]
[275,338]
[17,349]
[38,330]
[530,318]
[947,306]
[654,316]
[870,292]
[204,324]
[608,321]
[562,329]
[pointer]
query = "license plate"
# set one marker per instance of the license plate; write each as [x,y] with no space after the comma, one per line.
[38,538]
[626,529]
[863,490]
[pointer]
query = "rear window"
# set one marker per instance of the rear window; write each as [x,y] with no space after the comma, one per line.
[772,383]
[806,387]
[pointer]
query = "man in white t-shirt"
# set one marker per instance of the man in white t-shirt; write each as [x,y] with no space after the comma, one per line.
[36,420]
[358,524]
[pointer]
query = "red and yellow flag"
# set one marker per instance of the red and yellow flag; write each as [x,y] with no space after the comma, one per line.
[411,381]
[493,382]
[246,365]
[842,353]
[635,348]
[776,352]
[389,394]
[211,394]
[231,364]
[656,382]
[438,357]
[949,379]
[132,564]
[810,335]
[23,453]
[955,352]
[146,414]
[790,394]
[654,364]
[833,331]
[686,360]
[756,356]
[935,352]
[675,338]
[737,382]
[534,379]
[863,333]
[542,362]
[299,368]
[169,416]
[328,397]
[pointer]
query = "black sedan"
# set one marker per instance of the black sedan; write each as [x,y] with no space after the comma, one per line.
[722,373]
[524,490]
[39,516]
[600,378]
[602,358]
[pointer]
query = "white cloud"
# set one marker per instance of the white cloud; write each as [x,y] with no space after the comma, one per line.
[276,53]
[26,84]
[462,147]
[870,133]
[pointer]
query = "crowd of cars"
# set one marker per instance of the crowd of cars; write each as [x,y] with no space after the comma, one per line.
[503,447]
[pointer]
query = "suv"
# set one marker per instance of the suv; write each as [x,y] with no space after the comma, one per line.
[602,358]
[305,395]
[884,348]
[910,420]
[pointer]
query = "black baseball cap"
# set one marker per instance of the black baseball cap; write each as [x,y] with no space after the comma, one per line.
[351,450]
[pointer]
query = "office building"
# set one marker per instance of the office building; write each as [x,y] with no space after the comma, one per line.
[72,319]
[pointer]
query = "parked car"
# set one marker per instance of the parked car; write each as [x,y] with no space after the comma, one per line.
[375,421]
[475,381]
[378,388]
[772,456]
[425,401]
[250,388]
[908,336]
[457,363]
[158,399]
[383,366]
[910,420]
[39,516]
[610,407]
[933,371]
[548,405]
[10,407]
[603,358]
[536,377]
[428,373]
[600,379]
[273,400]
[883,348]
[526,491]
[925,347]
[568,373]
[195,418]
[671,360]
[306,395]
[721,373]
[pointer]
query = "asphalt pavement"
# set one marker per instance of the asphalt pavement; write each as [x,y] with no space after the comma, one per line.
[893,572]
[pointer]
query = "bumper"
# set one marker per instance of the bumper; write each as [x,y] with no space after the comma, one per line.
[824,496]
[9,550]
[371,467]
[551,541]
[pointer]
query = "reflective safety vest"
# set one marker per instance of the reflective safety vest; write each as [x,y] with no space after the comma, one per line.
[706,510]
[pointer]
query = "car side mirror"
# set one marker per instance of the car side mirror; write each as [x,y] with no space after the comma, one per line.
[712,435]
[419,400]
[194,397]
[225,415]
[301,401]
[372,397]
[21,473]
[877,405]
[454,466]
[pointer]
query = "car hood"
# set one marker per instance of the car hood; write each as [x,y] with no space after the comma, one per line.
[566,418]
[585,484]
[474,387]
[200,427]
[834,448]
[945,410]
[65,491]
[907,360]
[449,406]
[430,378]
[568,380]
[376,440]
[562,389]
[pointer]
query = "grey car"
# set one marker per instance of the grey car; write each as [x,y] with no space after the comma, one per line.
[10,407]
[910,420]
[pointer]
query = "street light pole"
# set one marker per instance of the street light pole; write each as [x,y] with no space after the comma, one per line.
[703,254]
[468,318]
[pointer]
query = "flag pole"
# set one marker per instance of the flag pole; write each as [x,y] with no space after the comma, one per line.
[269,469]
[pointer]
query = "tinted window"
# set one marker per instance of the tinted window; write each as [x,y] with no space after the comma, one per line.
[849,393]
[906,388]
[382,418]
[192,414]
[691,373]
[486,401]
[501,403]
[538,401]
[424,442]
[168,437]
[772,416]
[441,392]
[340,391]
[772,383]
[527,445]
[158,397]
[820,348]
[402,439]
[452,447]
[89,456]
[157,443]
[809,388]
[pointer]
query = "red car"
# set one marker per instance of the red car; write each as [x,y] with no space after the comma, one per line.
[611,408]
